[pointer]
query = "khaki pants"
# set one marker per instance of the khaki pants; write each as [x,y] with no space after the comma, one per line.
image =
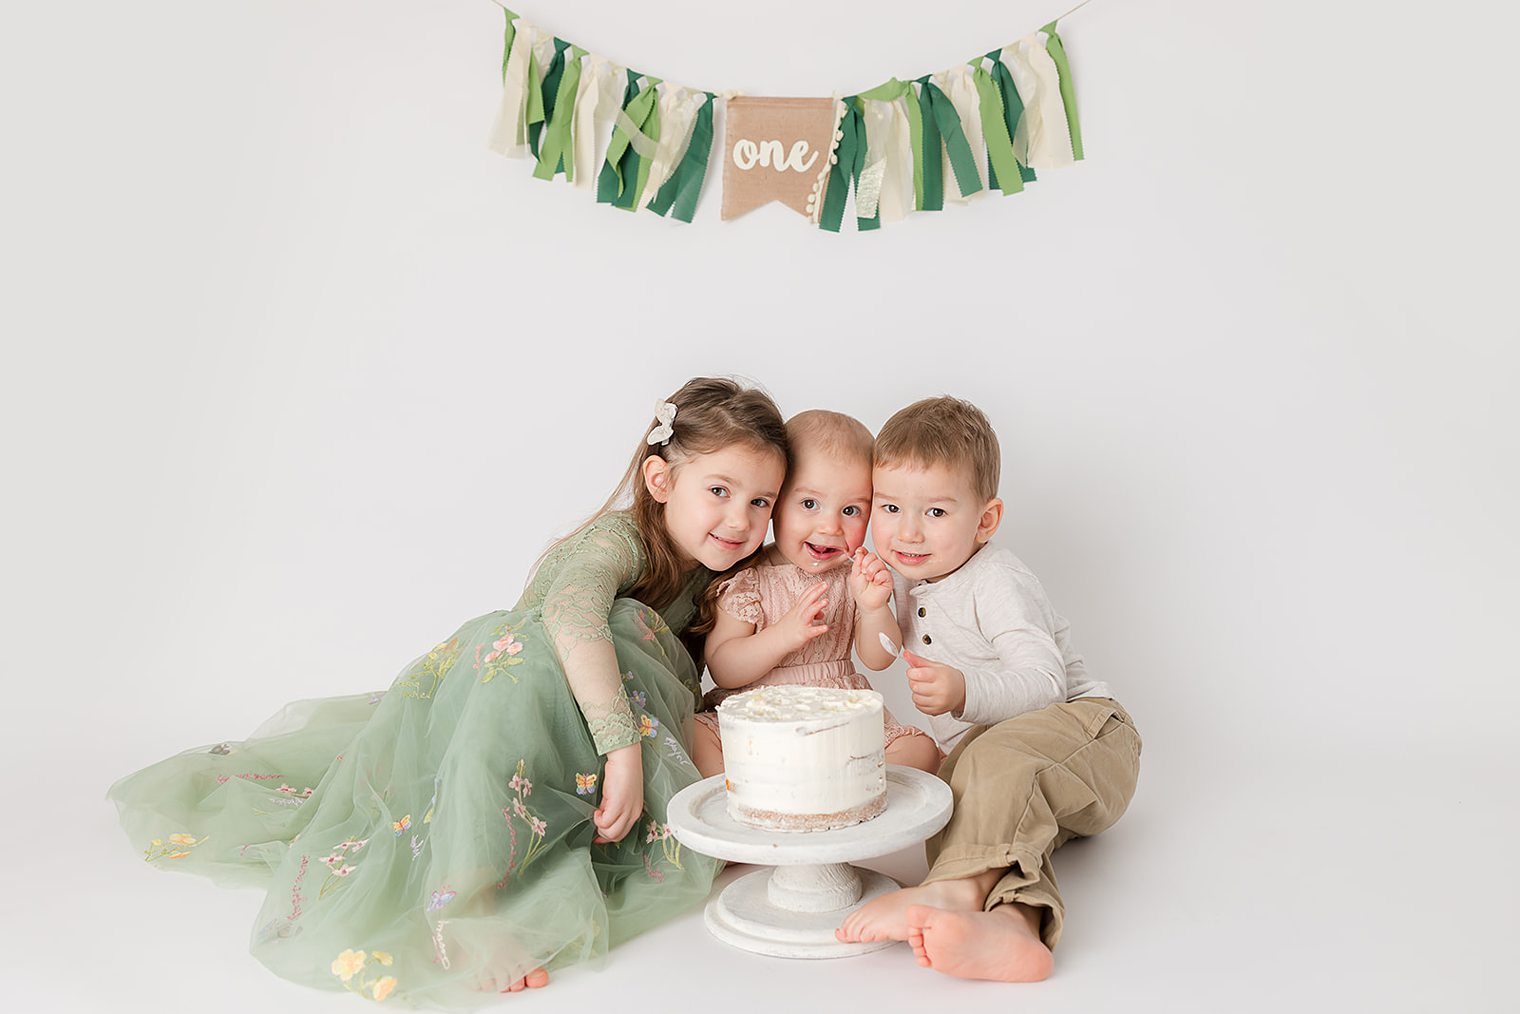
[1026,786]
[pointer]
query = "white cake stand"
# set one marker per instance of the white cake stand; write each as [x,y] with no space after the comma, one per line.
[792,910]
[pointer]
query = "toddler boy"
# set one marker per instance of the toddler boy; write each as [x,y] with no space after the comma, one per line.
[1038,752]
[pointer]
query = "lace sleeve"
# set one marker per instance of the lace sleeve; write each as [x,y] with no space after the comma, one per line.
[740,597]
[583,577]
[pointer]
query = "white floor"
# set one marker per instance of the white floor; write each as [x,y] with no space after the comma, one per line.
[1336,878]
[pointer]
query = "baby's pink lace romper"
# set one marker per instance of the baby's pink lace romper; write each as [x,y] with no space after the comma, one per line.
[762,595]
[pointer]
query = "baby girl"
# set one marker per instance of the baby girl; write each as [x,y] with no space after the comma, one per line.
[791,616]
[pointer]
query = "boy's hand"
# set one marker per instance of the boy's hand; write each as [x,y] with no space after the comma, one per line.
[937,688]
[622,794]
[870,580]
[799,625]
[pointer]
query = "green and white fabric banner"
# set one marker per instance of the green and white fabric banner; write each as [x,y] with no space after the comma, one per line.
[642,142]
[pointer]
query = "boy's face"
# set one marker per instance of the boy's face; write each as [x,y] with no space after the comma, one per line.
[926,522]
[821,517]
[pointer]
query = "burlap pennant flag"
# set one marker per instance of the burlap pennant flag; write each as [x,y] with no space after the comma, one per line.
[776,149]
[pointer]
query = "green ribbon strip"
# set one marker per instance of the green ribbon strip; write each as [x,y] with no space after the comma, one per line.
[560,109]
[1057,53]
[535,104]
[546,93]
[685,184]
[916,139]
[928,157]
[1001,165]
[849,159]
[624,175]
[1013,106]
[506,46]
[941,110]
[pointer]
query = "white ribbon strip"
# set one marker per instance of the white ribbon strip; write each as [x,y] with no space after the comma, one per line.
[886,183]
[597,101]
[1042,140]
[509,135]
[678,118]
[543,48]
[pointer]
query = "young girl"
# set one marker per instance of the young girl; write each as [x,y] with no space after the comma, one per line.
[500,812]
[791,617]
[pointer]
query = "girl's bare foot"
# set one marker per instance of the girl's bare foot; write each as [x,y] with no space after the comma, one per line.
[493,983]
[1003,944]
[886,917]
[533,980]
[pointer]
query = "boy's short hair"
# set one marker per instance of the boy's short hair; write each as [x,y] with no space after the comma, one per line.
[943,431]
[832,431]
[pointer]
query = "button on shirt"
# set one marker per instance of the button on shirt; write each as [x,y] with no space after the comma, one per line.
[991,620]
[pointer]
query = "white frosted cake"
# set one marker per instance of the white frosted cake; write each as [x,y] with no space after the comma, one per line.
[800,758]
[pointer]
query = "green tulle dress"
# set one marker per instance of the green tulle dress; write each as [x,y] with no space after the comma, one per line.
[416,839]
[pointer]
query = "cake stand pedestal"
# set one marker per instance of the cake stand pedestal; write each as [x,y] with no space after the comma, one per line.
[792,909]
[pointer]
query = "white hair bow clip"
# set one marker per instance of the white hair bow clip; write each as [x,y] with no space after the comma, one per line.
[665,412]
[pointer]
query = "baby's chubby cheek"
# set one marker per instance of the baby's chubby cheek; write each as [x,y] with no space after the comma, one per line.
[855,537]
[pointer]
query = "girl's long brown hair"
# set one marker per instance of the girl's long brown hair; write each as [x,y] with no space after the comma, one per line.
[711,413]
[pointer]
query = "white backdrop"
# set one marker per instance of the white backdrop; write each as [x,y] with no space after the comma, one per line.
[298,375]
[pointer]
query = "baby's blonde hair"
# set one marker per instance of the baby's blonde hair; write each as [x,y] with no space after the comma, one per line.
[832,432]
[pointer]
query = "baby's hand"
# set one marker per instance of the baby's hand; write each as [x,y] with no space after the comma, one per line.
[799,625]
[937,688]
[870,580]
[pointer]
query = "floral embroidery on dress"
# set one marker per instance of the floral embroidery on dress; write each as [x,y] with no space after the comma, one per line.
[436,663]
[337,864]
[639,698]
[221,749]
[670,850]
[440,950]
[650,624]
[350,966]
[519,811]
[177,848]
[503,655]
[296,900]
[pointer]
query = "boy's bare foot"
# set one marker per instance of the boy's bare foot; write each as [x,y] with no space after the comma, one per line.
[886,917]
[1003,944]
